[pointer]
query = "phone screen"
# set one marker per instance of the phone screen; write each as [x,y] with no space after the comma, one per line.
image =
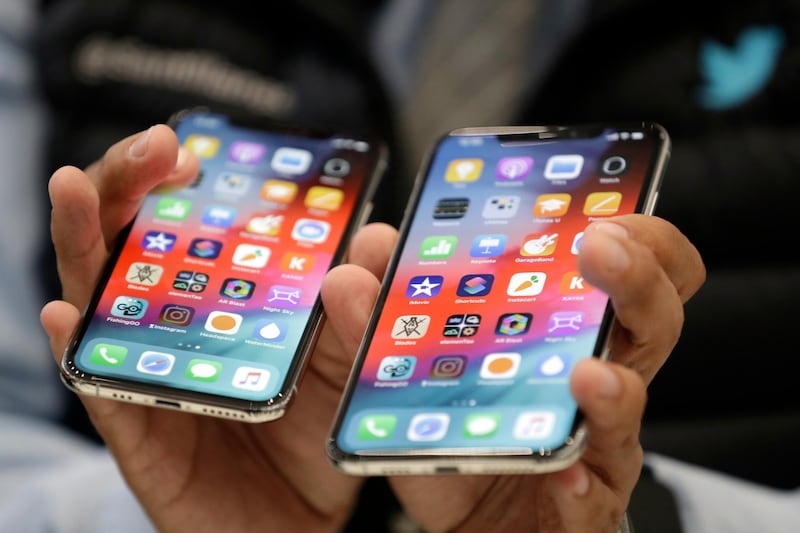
[484,313]
[213,290]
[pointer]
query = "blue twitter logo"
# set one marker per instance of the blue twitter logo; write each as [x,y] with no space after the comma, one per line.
[735,74]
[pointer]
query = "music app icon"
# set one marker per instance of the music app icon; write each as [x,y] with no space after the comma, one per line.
[249,378]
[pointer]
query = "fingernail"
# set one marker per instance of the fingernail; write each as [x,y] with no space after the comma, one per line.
[617,258]
[581,486]
[139,146]
[613,229]
[608,384]
[183,153]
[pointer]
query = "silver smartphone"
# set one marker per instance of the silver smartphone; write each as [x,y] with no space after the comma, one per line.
[466,361]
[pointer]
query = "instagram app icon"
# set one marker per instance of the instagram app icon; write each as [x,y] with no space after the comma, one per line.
[448,366]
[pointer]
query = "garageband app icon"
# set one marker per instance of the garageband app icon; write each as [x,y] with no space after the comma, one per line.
[158,241]
[465,325]
[526,284]
[475,285]
[539,244]
[565,323]
[219,216]
[279,191]
[284,296]
[246,152]
[450,208]
[204,248]
[488,245]
[250,378]
[223,322]
[411,326]
[237,289]
[424,286]
[291,160]
[176,315]
[129,307]
[500,366]
[552,366]
[265,224]
[189,281]
[563,167]
[175,209]
[602,204]
[438,247]
[448,366]
[251,255]
[203,146]
[146,274]
[511,169]
[551,205]
[511,324]
[463,170]
[428,427]
[232,183]
[500,207]
[396,368]
[534,425]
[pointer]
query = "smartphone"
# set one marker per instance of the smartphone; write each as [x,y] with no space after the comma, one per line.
[210,300]
[482,314]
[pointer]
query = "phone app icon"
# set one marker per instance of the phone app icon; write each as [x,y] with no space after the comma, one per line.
[438,246]
[510,169]
[291,160]
[158,241]
[539,244]
[284,296]
[251,255]
[232,183]
[144,274]
[250,378]
[189,281]
[614,165]
[246,152]
[534,425]
[158,363]
[310,230]
[573,283]
[481,425]
[410,326]
[488,245]
[428,427]
[203,146]
[173,209]
[500,206]
[463,170]
[176,315]
[576,243]
[424,286]
[552,366]
[326,198]
[129,307]
[461,325]
[551,205]
[526,284]
[297,263]
[271,330]
[376,427]
[265,224]
[204,248]
[237,289]
[474,285]
[563,167]
[500,366]
[108,355]
[602,204]
[450,208]
[448,367]
[220,216]
[279,191]
[511,324]
[396,367]
[223,322]
[565,322]
[203,370]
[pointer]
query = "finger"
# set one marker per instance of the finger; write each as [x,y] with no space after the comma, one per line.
[372,246]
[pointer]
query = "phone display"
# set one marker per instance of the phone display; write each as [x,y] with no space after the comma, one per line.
[210,301]
[482,315]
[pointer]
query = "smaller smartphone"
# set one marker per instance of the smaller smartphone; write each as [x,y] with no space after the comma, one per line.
[210,301]
[482,315]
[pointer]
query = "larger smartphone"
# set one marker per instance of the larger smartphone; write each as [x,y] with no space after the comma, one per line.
[483,314]
[210,301]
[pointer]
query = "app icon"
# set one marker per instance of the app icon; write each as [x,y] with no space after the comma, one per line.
[573,283]
[376,427]
[396,367]
[500,366]
[450,208]
[336,167]
[326,198]
[203,370]
[511,324]
[463,170]
[428,427]
[565,322]
[284,296]
[223,322]
[614,165]
[513,168]
[158,241]
[173,209]
[526,284]
[552,366]
[310,230]
[424,286]
[410,326]
[602,203]
[271,330]
[539,244]
[249,378]
[232,183]
[500,206]
[108,355]
[189,281]
[176,315]
[474,285]
[551,205]
[203,146]
[563,167]
[297,263]
[265,224]
[251,255]
[129,307]
[237,289]
[438,246]
[144,274]
[157,363]
[461,325]
[279,191]
[246,152]
[218,215]
[291,160]
[488,245]
[576,243]
[534,425]
[448,366]
[205,248]
[481,425]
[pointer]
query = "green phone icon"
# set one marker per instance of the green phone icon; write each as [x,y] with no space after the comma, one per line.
[376,427]
[108,355]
